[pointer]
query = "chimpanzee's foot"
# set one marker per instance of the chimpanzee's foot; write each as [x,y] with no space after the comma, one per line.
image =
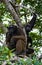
[29,51]
[21,54]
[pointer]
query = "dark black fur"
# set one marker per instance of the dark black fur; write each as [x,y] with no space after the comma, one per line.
[30,25]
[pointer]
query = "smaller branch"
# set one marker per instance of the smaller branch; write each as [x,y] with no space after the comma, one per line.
[30,9]
[1,41]
[16,8]
[25,18]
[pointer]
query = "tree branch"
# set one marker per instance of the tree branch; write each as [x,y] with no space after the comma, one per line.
[13,3]
[13,13]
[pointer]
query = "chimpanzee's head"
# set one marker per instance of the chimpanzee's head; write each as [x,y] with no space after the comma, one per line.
[12,29]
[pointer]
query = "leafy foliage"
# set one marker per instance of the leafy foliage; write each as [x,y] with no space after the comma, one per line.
[6,55]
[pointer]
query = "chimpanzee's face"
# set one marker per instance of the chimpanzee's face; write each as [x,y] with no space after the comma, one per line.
[12,29]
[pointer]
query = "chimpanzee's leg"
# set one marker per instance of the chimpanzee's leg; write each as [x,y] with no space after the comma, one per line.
[20,47]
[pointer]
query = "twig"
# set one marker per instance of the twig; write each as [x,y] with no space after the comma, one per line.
[1,41]
[30,9]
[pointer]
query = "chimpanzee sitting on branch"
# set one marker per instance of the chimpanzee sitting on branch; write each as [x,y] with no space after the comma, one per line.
[19,41]
[15,39]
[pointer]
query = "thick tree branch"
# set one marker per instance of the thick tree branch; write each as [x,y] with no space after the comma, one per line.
[14,14]
[13,3]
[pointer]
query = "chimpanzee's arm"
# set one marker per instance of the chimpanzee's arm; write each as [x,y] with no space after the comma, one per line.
[30,25]
[33,20]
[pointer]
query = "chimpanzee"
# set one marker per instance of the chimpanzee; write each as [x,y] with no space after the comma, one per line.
[28,28]
[15,39]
